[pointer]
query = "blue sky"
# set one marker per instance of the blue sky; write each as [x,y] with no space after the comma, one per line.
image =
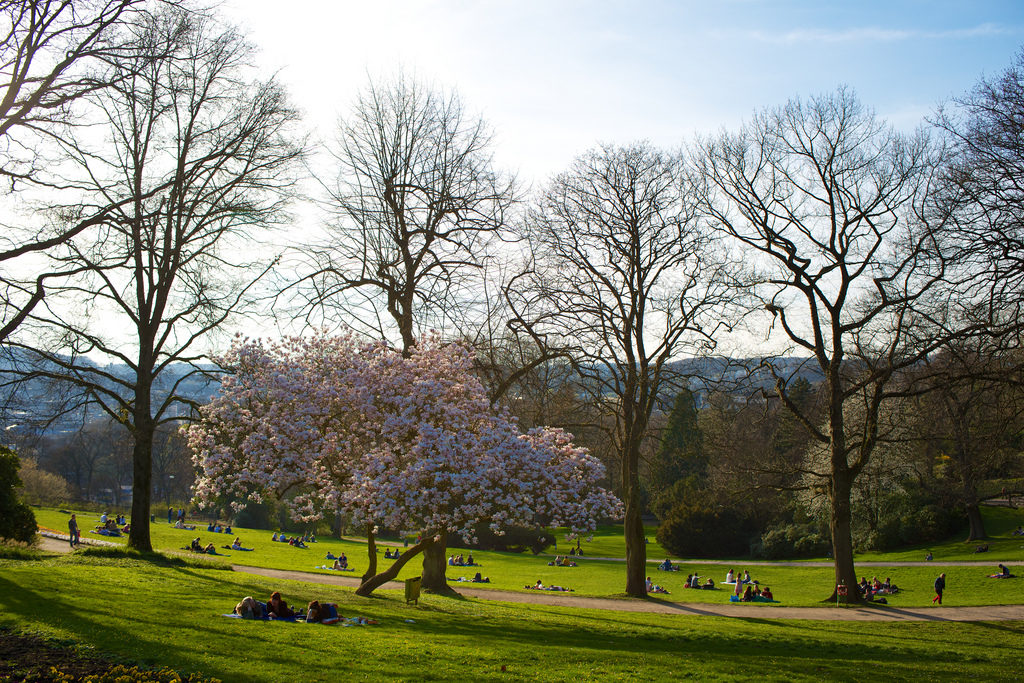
[554,78]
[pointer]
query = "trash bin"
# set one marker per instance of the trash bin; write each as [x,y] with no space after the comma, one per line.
[841,594]
[412,589]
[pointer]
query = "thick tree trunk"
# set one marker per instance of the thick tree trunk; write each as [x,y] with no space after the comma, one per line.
[977,523]
[636,549]
[435,565]
[142,465]
[371,583]
[842,537]
[371,551]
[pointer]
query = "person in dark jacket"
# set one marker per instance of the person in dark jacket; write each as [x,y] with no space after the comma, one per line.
[940,585]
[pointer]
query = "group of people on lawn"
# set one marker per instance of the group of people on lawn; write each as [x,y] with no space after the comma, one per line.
[276,608]
[459,561]
[561,561]
[112,526]
[294,541]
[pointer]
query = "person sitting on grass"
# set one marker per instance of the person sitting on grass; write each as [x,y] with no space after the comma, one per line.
[689,580]
[195,546]
[236,544]
[766,594]
[748,594]
[981,548]
[695,581]
[655,588]
[709,585]
[481,579]
[1019,531]
[181,525]
[928,557]
[730,577]
[666,566]
[469,561]
[210,549]
[746,577]
[339,565]
[1004,573]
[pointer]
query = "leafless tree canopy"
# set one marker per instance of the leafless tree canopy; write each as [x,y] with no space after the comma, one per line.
[415,207]
[624,280]
[837,206]
[51,57]
[196,161]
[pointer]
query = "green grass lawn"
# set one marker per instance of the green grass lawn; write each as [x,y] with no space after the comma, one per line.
[792,586]
[166,614]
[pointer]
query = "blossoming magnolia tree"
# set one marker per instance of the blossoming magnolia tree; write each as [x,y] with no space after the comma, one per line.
[331,424]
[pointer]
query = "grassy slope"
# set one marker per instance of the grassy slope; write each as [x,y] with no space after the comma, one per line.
[166,615]
[793,586]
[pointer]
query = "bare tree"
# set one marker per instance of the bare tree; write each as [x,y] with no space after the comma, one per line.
[415,206]
[172,266]
[625,280]
[51,57]
[833,206]
[983,178]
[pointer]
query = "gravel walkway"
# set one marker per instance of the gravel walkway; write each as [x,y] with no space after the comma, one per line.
[873,613]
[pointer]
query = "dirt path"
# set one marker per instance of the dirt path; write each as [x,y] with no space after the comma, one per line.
[874,613]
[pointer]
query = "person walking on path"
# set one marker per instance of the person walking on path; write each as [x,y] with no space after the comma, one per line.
[73,538]
[940,585]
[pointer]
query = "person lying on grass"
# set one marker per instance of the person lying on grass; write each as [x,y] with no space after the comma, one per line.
[476,579]
[326,613]
[250,608]
[541,587]
[237,545]
[277,608]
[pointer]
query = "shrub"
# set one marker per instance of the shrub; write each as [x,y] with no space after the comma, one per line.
[515,539]
[794,540]
[694,530]
[17,523]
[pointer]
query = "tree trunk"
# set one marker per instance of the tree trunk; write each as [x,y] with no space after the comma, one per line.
[977,523]
[371,583]
[842,537]
[435,565]
[633,528]
[371,550]
[142,465]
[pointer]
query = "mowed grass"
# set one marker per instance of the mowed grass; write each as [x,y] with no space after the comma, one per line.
[791,585]
[166,614]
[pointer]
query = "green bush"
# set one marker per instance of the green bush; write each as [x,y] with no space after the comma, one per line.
[17,523]
[693,530]
[515,539]
[794,540]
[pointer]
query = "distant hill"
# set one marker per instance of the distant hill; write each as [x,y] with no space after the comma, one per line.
[31,404]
